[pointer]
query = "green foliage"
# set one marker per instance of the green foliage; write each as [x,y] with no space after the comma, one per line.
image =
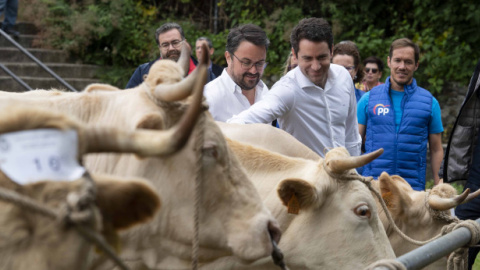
[443,30]
[458,187]
[120,33]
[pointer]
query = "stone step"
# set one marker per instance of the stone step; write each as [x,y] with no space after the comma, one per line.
[25,40]
[7,83]
[25,28]
[47,56]
[62,70]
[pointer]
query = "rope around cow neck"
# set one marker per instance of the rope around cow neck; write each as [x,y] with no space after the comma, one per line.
[457,259]
[199,139]
[75,212]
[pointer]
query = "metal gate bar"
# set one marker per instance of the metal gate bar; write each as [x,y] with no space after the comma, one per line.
[429,253]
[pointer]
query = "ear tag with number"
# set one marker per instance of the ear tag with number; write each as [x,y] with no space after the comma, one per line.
[40,154]
[293,206]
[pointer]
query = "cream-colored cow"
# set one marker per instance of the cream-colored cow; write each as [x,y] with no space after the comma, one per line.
[337,226]
[35,241]
[233,219]
[420,215]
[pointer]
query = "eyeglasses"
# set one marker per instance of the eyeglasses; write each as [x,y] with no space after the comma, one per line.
[350,68]
[175,44]
[260,65]
[374,70]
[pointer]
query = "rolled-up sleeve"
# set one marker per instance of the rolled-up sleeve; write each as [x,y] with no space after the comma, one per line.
[273,105]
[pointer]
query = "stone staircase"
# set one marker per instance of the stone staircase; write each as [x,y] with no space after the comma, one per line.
[75,74]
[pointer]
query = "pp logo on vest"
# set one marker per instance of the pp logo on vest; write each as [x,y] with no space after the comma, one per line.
[381,109]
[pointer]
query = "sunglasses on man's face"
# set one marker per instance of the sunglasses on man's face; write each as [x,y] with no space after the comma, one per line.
[374,70]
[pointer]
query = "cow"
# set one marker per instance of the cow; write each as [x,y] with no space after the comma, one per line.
[31,240]
[421,215]
[334,225]
[233,220]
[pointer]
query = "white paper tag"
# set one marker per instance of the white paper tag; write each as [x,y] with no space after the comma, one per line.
[41,154]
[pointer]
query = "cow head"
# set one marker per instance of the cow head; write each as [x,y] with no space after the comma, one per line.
[335,216]
[30,240]
[420,215]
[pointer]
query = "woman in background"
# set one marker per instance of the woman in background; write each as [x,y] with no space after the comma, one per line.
[346,54]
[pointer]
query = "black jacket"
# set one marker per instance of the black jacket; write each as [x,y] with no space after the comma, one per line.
[462,156]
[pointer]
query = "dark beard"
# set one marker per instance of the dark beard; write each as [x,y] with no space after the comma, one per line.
[246,87]
[172,55]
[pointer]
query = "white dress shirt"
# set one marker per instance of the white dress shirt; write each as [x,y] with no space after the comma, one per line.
[319,118]
[225,97]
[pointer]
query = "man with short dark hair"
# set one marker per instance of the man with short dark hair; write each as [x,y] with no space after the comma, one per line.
[240,85]
[401,117]
[170,39]
[214,71]
[315,102]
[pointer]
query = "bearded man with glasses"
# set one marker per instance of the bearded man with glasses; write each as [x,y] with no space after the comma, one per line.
[170,39]
[240,85]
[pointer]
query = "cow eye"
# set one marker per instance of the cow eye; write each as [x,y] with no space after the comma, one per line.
[363,211]
[210,151]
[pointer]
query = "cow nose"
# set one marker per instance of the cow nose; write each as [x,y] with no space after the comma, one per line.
[274,231]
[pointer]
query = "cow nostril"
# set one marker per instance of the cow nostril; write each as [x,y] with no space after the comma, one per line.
[274,231]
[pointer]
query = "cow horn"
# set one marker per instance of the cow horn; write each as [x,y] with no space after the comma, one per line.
[149,142]
[471,196]
[442,204]
[184,59]
[182,89]
[341,165]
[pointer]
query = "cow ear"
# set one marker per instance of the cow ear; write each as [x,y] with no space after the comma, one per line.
[296,194]
[124,203]
[150,121]
[396,198]
[99,87]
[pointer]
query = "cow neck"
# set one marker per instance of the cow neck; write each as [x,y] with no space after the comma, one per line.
[199,140]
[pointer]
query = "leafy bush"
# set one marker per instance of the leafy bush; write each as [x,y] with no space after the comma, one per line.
[119,34]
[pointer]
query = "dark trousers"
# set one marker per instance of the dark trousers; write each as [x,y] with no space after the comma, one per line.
[470,210]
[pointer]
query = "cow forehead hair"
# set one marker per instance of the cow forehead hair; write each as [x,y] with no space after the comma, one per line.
[444,191]
[164,71]
[338,152]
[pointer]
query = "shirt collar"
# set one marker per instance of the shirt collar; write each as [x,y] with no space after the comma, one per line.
[305,82]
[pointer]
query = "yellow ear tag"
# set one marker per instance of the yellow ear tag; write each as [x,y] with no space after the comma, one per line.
[293,206]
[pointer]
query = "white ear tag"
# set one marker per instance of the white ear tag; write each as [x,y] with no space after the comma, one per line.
[41,154]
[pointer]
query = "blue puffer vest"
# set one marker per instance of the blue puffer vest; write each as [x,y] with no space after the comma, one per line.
[406,151]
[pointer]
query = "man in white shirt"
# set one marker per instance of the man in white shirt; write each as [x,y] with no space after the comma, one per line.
[315,102]
[239,86]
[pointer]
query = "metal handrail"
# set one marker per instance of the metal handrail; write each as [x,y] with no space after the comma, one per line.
[47,69]
[15,77]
